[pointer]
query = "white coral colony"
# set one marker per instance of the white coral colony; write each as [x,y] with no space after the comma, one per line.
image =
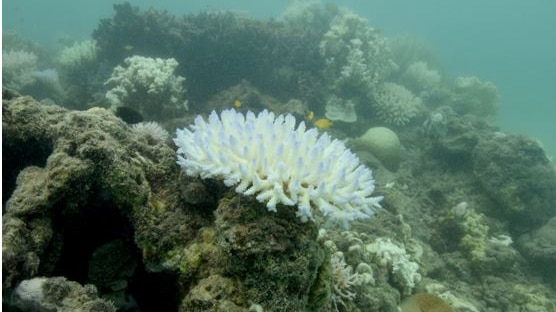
[270,158]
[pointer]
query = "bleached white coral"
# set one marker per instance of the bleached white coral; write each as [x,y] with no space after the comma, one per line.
[78,53]
[356,56]
[390,255]
[149,86]
[343,279]
[268,156]
[152,130]
[396,105]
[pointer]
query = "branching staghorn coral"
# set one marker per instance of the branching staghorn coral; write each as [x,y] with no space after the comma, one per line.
[343,280]
[356,56]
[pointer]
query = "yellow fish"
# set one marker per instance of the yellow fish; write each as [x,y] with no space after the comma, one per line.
[323,123]
[310,115]
[237,103]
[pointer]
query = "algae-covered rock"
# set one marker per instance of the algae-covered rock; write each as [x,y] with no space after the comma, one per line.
[58,294]
[277,256]
[518,176]
[83,179]
[104,205]
[539,247]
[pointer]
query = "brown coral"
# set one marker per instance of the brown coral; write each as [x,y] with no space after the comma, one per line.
[424,302]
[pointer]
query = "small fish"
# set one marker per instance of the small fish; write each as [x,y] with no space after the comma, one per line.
[237,103]
[310,116]
[323,123]
[128,48]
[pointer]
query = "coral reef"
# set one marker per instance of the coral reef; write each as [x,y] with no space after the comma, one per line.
[420,78]
[516,173]
[78,53]
[98,215]
[18,67]
[149,86]
[474,96]
[96,189]
[88,176]
[356,55]
[245,97]
[539,247]
[357,60]
[216,50]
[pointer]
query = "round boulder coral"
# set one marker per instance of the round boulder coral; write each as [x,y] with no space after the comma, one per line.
[383,143]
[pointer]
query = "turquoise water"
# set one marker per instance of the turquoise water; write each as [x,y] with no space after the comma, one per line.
[511,43]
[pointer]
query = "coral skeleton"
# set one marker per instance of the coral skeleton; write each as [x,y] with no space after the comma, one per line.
[344,279]
[267,156]
[388,254]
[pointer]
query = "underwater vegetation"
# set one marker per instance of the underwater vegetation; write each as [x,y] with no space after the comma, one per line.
[340,170]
